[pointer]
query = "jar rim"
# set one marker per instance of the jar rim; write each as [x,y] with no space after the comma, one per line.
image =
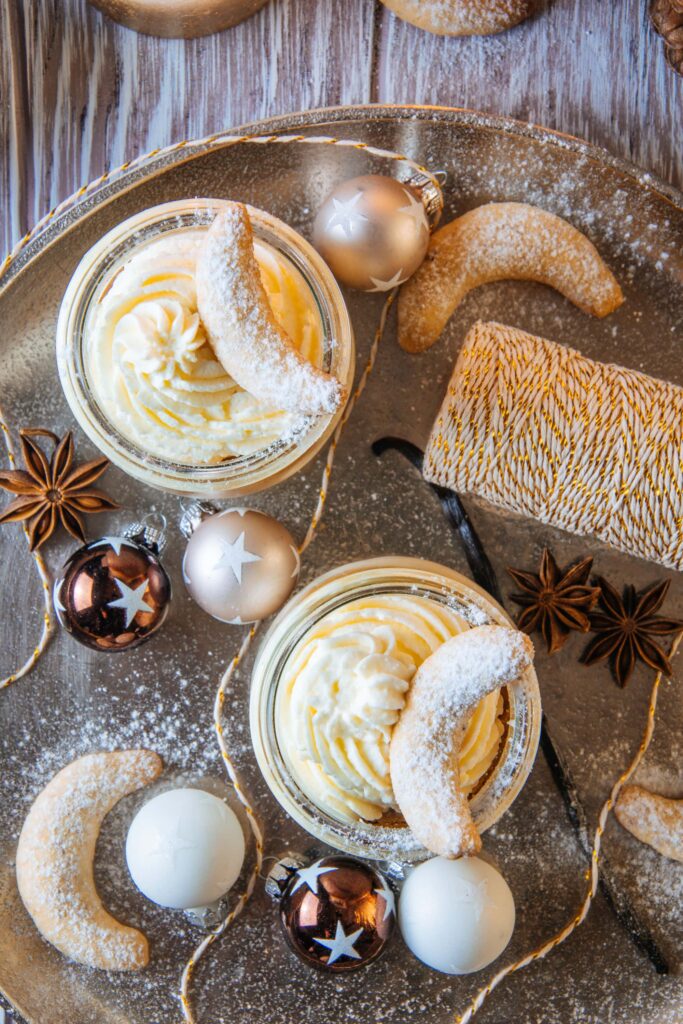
[334,589]
[236,475]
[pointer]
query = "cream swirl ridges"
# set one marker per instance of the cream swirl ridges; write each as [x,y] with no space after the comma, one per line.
[245,334]
[154,372]
[426,741]
[343,690]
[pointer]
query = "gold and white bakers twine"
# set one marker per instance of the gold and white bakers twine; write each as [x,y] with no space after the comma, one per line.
[537,428]
[89,190]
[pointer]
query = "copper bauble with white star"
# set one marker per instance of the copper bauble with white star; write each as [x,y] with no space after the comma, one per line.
[113,593]
[337,914]
[240,565]
[373,231]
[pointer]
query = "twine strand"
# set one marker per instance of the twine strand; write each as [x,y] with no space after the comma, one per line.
[594,871]
[228,675]
[218,140]
[39,561]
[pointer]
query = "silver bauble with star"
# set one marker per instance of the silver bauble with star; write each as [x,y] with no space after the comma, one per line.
[240,565]
[373,231]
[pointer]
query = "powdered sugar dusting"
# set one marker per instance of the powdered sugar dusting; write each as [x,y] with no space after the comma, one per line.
[247,339]
[427,737]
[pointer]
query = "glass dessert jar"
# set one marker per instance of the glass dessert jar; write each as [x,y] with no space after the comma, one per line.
[429,602]
[142,380]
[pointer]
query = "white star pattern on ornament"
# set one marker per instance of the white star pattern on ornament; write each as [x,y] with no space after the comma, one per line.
[309,876]
[474,895]
[389,899]
[416,211]
[170,845]
[234,556]
[297,562]
[342,944]
[131,600]
[386,286]
[114,542]
[345,215]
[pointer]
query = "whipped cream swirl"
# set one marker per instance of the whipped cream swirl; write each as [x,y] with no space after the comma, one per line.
[343,689]
[154,372]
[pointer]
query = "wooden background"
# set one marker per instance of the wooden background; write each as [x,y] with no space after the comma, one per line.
[79,94]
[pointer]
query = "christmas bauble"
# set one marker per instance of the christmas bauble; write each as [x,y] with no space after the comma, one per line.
[113,593]
[457,916]
[240,565]
[185,849]
[337,914]
[373,232]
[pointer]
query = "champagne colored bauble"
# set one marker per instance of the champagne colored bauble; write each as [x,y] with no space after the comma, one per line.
[240,565]
[373,231]
[113,593]
[337,914]
[178,19]
[185,849]
[457,916]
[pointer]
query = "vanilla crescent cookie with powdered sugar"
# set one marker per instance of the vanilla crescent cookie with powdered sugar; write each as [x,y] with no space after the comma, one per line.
[55,858]
[653,819]
[243,330]
[462,17]
[497,242]
[427,737]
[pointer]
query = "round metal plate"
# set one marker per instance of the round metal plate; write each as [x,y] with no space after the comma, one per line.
[161,695]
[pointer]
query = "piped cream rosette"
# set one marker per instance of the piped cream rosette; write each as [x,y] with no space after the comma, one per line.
[155,372]
[342,693]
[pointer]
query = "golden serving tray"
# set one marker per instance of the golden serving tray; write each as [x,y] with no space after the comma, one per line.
[161,695]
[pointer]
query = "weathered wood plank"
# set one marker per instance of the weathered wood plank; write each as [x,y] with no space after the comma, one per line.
[596,70]
[100,94]
[12,124]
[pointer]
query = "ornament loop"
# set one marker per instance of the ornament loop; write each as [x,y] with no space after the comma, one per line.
[194,513]
[279,875]
[430,194]
[150,531]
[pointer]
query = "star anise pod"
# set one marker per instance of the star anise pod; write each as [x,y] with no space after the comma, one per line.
[626,627]
[53,491]
[553,601]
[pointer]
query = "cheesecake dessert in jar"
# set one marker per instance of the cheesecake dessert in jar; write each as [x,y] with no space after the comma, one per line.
[332,679]
[141,372]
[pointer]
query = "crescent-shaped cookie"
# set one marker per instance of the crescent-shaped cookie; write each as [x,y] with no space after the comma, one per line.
[655,820]
[501,241]
[242,329]
[461,17]
[55,859]
[423,754]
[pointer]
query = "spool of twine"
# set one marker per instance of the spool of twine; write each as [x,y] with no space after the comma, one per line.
[537,428]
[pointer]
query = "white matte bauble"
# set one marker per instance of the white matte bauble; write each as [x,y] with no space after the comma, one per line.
[240,565]
[457,916]
[373,232]
[185,849]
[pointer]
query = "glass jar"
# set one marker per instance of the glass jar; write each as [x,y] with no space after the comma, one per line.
[401,576]
[237,474]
